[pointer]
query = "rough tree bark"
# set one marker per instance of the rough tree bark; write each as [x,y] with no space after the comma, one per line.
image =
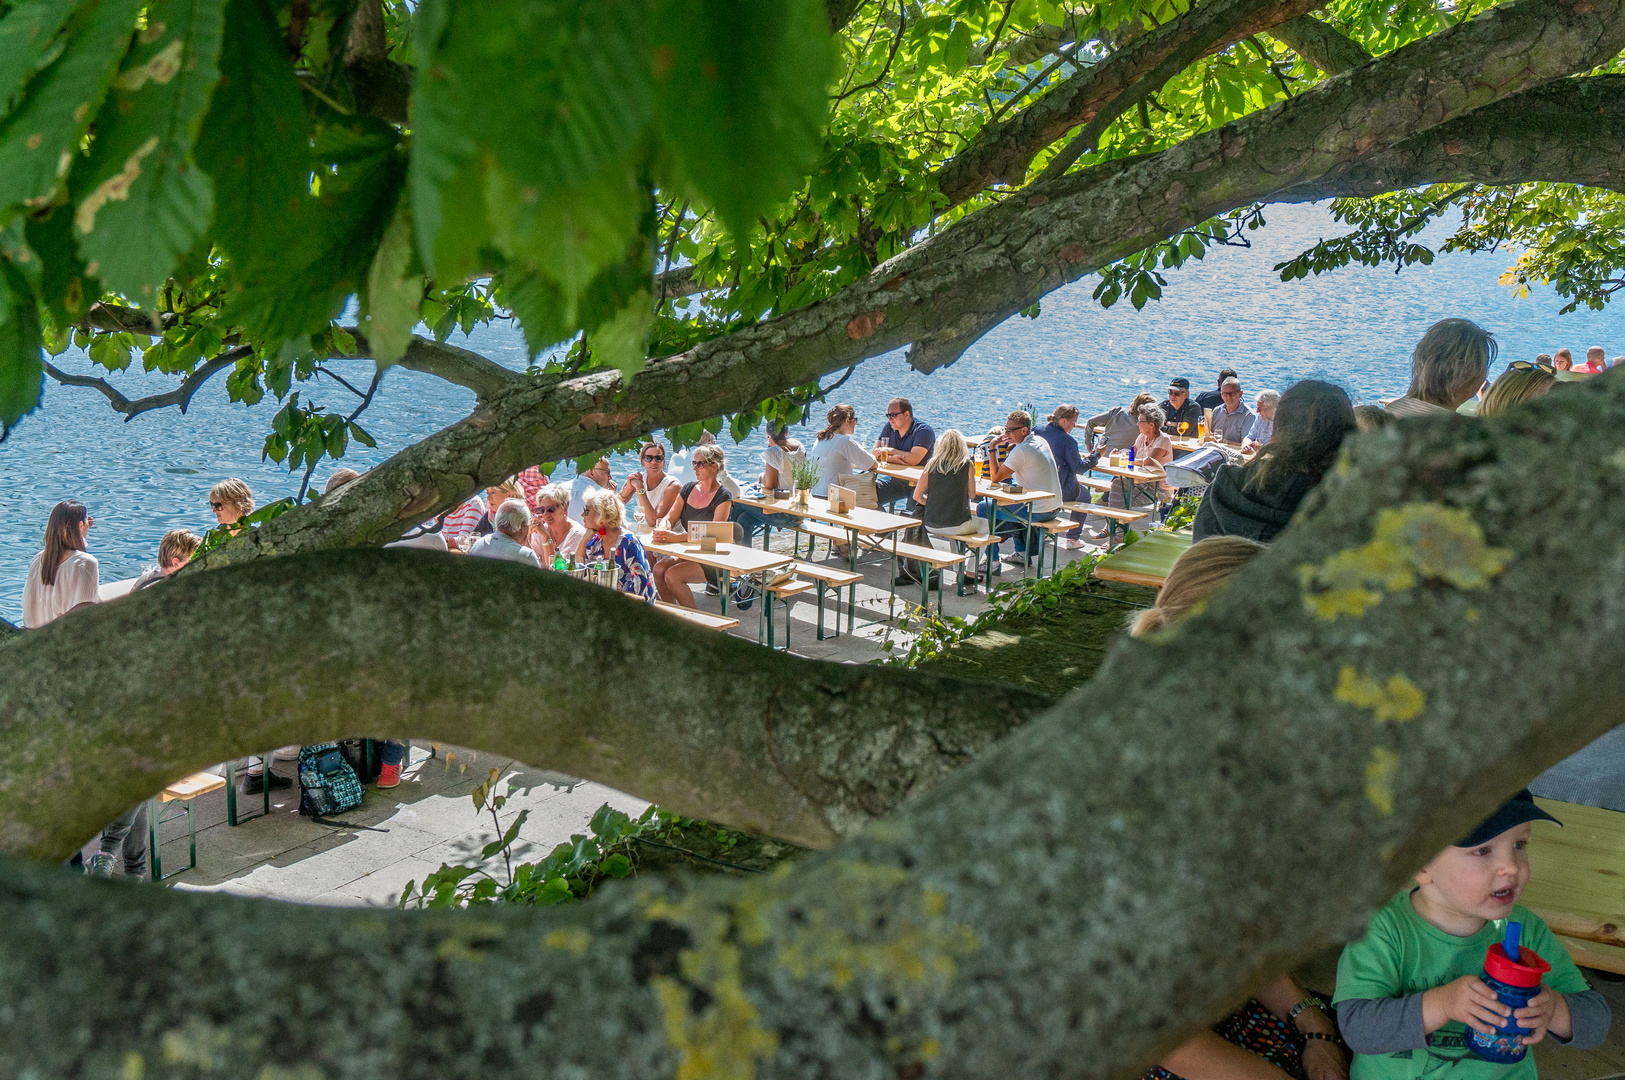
[1095,886]
[1322,45]
[358,643]
[944,293]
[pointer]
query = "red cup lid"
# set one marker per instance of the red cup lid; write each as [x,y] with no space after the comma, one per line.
[1527,970]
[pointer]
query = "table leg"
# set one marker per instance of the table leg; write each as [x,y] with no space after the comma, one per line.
[231,791]
[852,590]
[821,611]
[727,583]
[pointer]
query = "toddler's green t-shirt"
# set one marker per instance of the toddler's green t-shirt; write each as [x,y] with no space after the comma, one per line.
[1404,954]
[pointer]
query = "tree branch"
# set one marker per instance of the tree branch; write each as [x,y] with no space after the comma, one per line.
[181,395]
[675,283]
[1320,44]
[802,750]
[1084,850]
[841,13]
[945,292]
[1002,152]
[485,377]
[381,87]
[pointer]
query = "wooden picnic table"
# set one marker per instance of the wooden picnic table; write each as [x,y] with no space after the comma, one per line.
[1147,561]
[984,488]
[859,521]
[727,560]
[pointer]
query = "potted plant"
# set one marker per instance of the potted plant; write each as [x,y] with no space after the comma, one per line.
[804,475]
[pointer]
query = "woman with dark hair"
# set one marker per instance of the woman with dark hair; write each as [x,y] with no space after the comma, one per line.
[1256,501]
[64,575]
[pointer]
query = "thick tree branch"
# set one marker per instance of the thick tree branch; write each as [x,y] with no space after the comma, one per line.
[944,293]
[1101,882]
[117,319]
[381,87]
[1322,45]
[841,12]
[1568,132]
[676,283]
[1002,152]
[411,643]
[181,395]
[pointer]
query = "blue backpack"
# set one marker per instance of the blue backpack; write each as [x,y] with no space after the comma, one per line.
[327,784]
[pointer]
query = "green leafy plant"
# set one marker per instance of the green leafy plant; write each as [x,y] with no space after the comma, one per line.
[614,846]
[804,473]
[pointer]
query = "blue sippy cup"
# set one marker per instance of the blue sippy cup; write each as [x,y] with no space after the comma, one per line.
[1514,974]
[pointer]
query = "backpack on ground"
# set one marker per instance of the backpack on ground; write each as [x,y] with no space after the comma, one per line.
[327,784]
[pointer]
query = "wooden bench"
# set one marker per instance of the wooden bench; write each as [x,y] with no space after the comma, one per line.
[784,590]
[698,618]
[1145,562]
[1110,513]
[1577,882]
[182,791]
[824,578]
[1095,483]
[817,530]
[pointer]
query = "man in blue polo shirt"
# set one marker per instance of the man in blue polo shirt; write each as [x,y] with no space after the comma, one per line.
[911,443]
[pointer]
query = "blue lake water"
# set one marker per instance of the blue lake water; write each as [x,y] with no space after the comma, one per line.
[1355,327]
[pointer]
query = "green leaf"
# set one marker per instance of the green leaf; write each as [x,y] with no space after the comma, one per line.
[27,33]
[140,200]
[957,52]
[550,91]
[621,342]
[40,137]
[741,97]
[617,866]
[65,289]
[111,351]
[255,139]
[338,233]
[22,364]
[390,310]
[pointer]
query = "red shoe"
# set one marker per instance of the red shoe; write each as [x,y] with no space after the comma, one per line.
[389,776]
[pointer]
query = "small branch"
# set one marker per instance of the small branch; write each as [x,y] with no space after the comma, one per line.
[897,39]
[336,377]
[181,395]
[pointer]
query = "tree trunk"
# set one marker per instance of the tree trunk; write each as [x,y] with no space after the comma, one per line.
[1221,800]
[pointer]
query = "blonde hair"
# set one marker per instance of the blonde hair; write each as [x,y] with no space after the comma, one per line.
[837,416]
[1195,576]
[1514,388]
[708,454]
[949,454]
[234,492]
[1141,398]
[1063,412]
[178,544]
[557,494]
[509,487]
[606,506]
[339,478]
[1450,361]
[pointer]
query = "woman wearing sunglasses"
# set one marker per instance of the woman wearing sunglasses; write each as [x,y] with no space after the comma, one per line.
[1521,382]
[64,575]
[551,530]
[655,488]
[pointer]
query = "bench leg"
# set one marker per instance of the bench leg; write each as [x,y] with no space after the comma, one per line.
[821,611]
[852,590]
[154,860]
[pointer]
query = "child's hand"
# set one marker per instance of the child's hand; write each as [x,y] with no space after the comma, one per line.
[1542,1015]
[1467,1000]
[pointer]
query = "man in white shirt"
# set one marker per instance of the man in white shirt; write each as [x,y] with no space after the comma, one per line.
[1031,464]
[1447,367]
[510,538]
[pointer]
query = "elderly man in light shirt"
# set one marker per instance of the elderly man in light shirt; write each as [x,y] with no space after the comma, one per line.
[1232,420]
[510,538]
[1447,367]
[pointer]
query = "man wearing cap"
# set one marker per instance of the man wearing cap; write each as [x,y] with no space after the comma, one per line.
[1410,990]
[1178,408]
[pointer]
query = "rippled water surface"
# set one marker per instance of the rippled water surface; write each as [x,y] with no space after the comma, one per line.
[1355,327]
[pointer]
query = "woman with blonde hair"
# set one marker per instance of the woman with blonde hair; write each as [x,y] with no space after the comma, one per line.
[231,501]
[552,532]
[944,489]
[63,575]
[704,499]
[836,452]
[1521,382]
[654,488]
[1203,567]
[603,538]
[1282,1031]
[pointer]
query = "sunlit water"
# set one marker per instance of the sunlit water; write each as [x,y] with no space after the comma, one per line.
[1355,327]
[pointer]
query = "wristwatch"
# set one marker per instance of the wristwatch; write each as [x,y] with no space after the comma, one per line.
[1310,1002]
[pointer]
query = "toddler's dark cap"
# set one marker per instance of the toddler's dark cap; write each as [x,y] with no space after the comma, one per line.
[1515,811]
[1181,383]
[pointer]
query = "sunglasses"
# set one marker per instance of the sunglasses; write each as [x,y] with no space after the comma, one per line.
[1525,365]
[654,457]
[546,509]
[216,506]
[893,415]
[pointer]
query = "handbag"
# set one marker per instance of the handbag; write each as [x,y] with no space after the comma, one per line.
[863,484]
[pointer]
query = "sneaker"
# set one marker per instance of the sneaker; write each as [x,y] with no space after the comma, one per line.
[744,595]
[254,783]
[100,865]
[286,753]
[712,590]
[389,776]
[1017,559]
